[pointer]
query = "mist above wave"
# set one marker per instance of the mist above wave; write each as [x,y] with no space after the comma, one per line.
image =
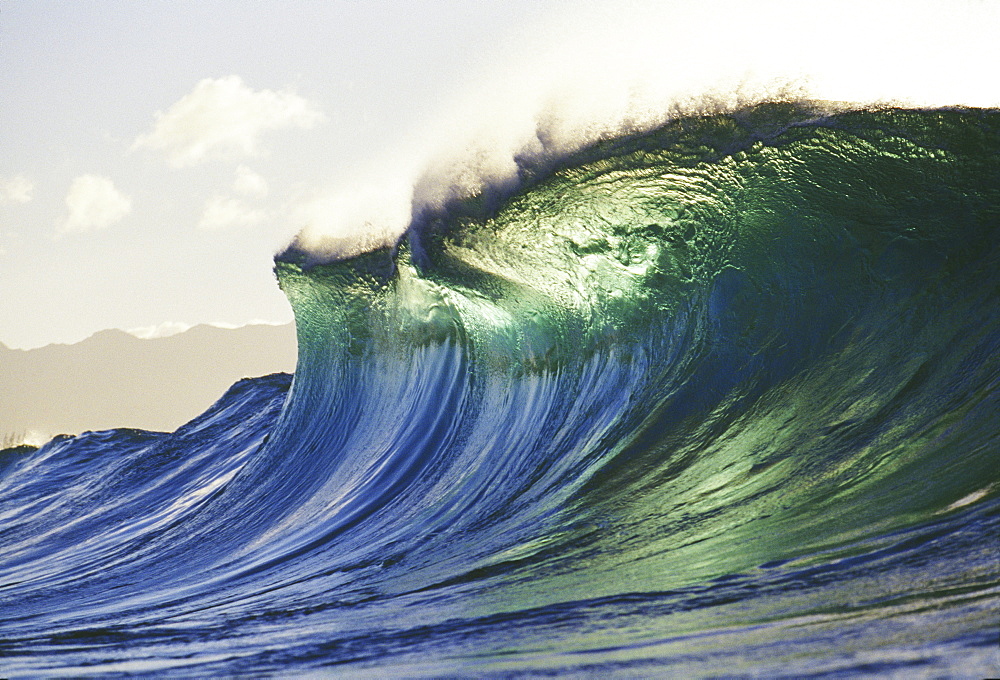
[598,72]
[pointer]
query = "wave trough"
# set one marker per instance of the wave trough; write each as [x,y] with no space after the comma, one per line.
[720,398]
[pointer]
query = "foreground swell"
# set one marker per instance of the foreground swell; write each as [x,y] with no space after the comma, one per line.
[717,399]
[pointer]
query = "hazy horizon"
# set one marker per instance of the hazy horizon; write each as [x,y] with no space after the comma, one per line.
[166,329]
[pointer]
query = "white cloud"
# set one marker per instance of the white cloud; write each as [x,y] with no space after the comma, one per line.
[252,322]
[163,330]
[224,118]
[169,328]
[15,189]
[222,212]
[249,183]
[94,203]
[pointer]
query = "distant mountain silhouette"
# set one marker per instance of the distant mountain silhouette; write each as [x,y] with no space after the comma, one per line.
[114,379]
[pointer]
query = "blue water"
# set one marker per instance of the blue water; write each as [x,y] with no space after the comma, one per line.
[716,399]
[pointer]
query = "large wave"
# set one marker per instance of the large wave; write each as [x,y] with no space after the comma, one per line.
[719,398]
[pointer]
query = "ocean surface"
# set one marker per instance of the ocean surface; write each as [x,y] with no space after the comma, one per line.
[718,399]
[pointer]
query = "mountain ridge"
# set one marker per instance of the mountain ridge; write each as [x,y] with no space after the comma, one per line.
[115,379]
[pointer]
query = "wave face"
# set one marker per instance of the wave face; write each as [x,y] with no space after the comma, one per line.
[716,399]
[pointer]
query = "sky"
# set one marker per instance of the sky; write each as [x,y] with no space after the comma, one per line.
[156,155]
